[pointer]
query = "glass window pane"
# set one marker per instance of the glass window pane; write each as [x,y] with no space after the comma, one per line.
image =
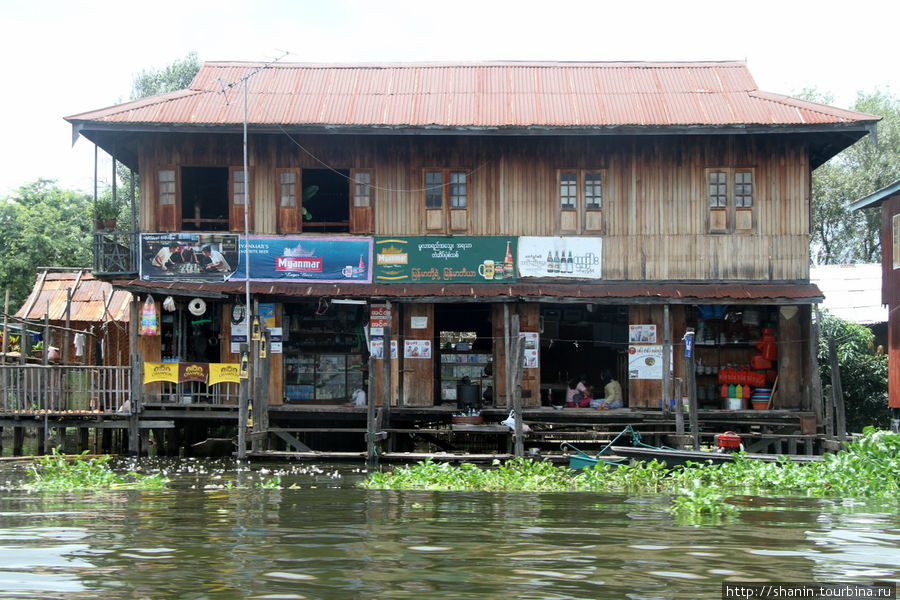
[167,186]
[238,180]
[433,189]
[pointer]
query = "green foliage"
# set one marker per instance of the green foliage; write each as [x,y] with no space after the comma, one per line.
[42,225]
[700,492]
[59,472]
[838,235]
[106,208]
[176,76]
[863,372]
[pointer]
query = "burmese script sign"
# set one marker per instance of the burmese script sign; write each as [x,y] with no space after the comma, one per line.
[561,257]
[445,259]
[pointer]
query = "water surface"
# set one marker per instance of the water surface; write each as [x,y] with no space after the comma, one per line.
[214,534]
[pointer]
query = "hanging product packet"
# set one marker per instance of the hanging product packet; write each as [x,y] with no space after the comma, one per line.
[149,317]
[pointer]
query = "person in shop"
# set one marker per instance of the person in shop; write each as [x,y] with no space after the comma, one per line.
[612,392]
[577,391]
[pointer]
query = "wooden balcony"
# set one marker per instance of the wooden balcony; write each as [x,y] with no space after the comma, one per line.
[116,253]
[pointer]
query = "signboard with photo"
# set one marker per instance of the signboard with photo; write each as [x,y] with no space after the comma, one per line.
[433,259]
[561,257]
[200,257]
[645,362]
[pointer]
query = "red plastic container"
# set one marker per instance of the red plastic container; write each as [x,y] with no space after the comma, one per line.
[729,440]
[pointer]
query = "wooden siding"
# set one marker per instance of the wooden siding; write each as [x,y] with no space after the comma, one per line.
[655,210]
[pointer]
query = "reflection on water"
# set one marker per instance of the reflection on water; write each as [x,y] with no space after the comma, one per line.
[213,534]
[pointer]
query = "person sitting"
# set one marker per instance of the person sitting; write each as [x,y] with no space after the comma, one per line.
[576,391]
[612,392]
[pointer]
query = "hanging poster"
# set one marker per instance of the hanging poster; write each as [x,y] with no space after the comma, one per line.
[435,259]
[379,318]
[160,372]
[376,348]
[417,349]
[562,257]
[224,373]
[205,257]
[645,362]
[317,259]
[532,344]
[193,372]
[642,334]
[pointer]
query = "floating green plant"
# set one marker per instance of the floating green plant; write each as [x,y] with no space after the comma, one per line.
[61,472]
[866,470]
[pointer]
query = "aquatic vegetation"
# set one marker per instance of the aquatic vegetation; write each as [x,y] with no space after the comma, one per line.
[60,472]
[866,470]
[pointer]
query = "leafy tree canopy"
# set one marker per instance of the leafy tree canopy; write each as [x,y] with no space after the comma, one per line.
[42,225]
[176,76]
[838,235]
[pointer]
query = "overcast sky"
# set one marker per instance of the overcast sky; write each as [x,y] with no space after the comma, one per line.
[63,57]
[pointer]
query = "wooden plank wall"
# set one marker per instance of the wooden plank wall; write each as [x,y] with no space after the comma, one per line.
[655,207]
[529,320]
[418,373]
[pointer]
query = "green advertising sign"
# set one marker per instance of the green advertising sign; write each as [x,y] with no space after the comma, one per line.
[457,259]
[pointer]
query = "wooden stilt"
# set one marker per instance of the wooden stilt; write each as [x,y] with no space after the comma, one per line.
[18,440]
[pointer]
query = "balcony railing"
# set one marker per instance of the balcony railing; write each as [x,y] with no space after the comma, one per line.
[39,389]
[116,252]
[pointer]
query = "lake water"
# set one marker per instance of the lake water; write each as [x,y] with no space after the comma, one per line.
[212,534]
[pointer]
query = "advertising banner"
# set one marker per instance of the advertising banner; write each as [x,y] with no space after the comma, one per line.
[200,257]
[434,259]
[224,373]
[562,257]
[160,372]
[193,372]
[314,259]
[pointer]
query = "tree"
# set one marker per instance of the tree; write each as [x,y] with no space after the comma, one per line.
[863,372]
[839,236]
[149,82]
[42,225]
[176,76]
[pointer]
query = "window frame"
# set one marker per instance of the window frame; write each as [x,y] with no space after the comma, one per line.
[452,214]
[577,216]
[724,216]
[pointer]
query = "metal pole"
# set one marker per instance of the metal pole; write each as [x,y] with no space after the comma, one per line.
[691,387]
[245,383]
[666,362]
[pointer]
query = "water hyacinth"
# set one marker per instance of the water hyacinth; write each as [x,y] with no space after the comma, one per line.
[60,472]
[866,470]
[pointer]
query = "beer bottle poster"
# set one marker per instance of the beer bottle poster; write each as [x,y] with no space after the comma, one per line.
[456,259]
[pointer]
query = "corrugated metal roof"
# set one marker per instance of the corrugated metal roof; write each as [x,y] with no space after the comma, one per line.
[852,292]
[639,292]
[49,296]
[476,95]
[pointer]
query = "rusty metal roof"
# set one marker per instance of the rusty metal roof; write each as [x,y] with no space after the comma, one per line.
[608,292]
[92,300]
[476,96]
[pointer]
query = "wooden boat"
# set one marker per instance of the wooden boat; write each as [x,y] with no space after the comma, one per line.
[580,460]
[673,458]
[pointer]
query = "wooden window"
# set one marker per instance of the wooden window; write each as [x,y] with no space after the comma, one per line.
[362,189]
[580,200]
[593,190]
[288,183]
[167,186]
[731,197]
[362,201]
[446,200]
[568,190]
[167,199]
[240,185]
[434,189]
[290,201]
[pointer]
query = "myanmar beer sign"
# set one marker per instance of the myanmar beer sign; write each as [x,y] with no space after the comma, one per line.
[444,259]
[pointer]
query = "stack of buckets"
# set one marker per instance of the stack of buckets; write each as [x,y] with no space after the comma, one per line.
[737,382]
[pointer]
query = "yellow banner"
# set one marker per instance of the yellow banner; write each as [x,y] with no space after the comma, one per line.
[160,372]
[224,373]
